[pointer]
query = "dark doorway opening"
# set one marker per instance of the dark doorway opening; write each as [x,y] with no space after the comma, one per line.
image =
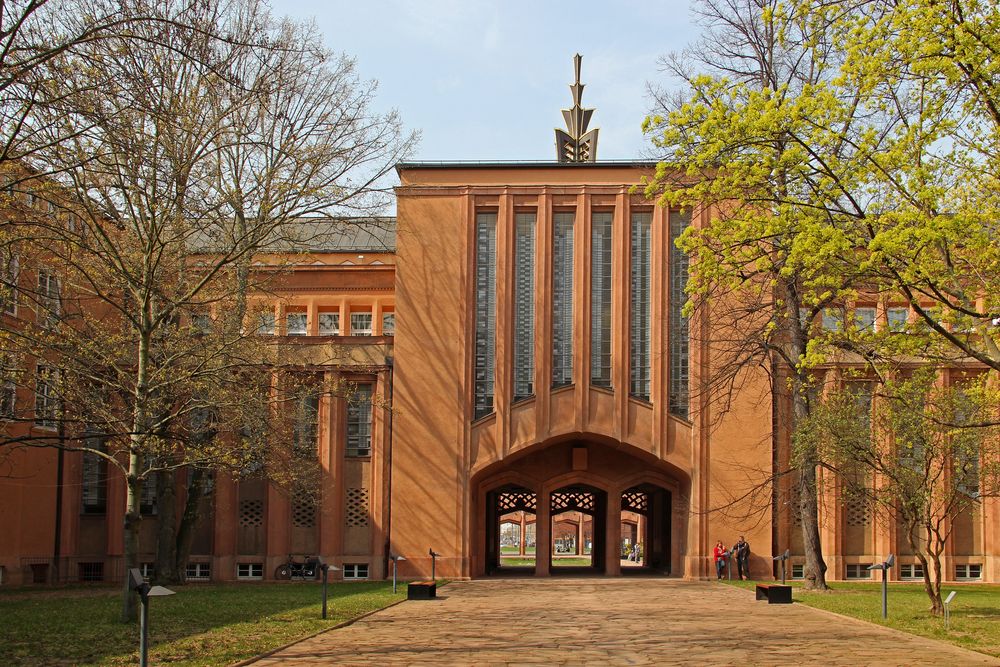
[645,529]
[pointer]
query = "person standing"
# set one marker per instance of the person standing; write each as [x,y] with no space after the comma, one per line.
[741,552]
[720,559]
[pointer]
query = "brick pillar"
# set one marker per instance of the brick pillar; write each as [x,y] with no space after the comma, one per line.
[613,535]
[543,534]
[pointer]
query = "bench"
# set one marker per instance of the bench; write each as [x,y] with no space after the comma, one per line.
[421,590]
[774,593]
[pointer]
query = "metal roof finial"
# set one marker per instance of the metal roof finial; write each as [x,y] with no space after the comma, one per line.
[576,144]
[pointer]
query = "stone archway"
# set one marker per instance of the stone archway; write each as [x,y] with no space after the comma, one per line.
[587,502]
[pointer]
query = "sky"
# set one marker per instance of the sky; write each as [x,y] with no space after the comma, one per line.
[487,80]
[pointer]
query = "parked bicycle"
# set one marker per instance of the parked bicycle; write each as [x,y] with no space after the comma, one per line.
[305,569]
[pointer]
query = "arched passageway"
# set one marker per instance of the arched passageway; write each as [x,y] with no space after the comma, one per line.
[535,516]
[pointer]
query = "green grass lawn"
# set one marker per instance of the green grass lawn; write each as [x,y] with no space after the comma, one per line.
[203,624]
[975,613]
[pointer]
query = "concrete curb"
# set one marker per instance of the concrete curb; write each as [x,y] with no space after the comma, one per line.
[342,624]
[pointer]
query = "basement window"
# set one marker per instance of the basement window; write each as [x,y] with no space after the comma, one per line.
[355,570]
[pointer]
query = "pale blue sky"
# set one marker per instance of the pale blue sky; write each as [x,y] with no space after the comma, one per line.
[486,80]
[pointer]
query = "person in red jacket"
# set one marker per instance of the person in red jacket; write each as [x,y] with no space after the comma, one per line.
[720,559]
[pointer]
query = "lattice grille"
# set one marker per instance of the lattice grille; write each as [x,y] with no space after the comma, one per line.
[251,513]
[856,512]
[513,500]
[356,510]
[570,500]
[304,511]
[635,501]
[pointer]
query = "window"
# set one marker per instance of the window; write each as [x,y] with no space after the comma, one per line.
[329,324]
[639,309]
[897,318]
[361,324]
[8,399]
[201,323]
[485,304]
[90,572]
[48,298]
[8,283]
[359,422]
[798,571]
[147,497]
[859,571]
[265,324]
[911,571]
[46,401]
[249,570]
[968,571]
[833,319]
[678,323]
[198,571]
[355,570]
[562,299]
[524,305]
[306,426]
[388,324]
[600,299]
[864,318]
[296,323]
[93,486]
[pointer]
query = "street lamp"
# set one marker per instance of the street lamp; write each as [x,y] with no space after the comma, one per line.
[885,586]
[395,564]
[783,557]
[947,609]
[139,584]
[325,569]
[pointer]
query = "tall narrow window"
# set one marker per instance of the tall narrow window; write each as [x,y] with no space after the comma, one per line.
[639,309]
[94,489]
[8,282]
[48,298]
[679,353]
[486,302]
[147,499]
[600,299]
[524,305]
[562,299]
[359,422]
[46,400]
[306,426]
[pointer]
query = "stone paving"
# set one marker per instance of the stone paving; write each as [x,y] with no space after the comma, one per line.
[620,621]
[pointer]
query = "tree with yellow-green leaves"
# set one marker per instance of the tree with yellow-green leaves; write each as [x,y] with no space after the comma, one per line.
[840,148]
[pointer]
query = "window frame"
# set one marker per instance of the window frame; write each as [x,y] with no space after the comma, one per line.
[327,315]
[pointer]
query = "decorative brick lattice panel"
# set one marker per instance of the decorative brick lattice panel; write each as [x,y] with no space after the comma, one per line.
[304,511]
[573,500]
[513,500]
[251,513]
[635,501]
[356,510]
[856,512]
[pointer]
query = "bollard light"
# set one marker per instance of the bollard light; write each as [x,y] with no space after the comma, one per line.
[324,568]
[782,558]
[434,555]
[947,609]
[138,584]
[885,567]
[395,564]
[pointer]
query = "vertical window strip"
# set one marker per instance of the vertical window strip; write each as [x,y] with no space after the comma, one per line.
[678,323]
[93,488]
[600,299]
[524,305]
[639,314]
[486,300]
[562,299]
[359,422]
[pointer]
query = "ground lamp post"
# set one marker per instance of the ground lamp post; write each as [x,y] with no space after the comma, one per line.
[782,558]
[325,569]
[947,609]
[885,578]
[395,564]
[729,562]
[433,563]
[139,584]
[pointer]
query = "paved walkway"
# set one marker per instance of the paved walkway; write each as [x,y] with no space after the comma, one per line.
[621,621]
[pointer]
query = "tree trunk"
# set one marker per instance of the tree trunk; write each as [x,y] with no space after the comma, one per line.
[131,536]
[166,545]
[189,521]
